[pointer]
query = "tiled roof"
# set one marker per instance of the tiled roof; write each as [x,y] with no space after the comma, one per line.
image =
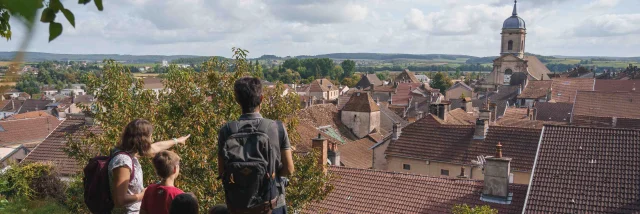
[13,105]
[558,112]
[51,149]
[536,68]
[370,191]
[517,117]
[607,104]
[26,130]
[322,85]
[361,102]
[586,170]
[367,80]
[460,117]
[388,118]
[153,83]
[84,99]
[406,76]
[617,85]
[428,139]
[403,93]
[536,89]
[34,105]
[458,85]
[32,114]
[343,100]
[353,152]
[383,89]
[564,89]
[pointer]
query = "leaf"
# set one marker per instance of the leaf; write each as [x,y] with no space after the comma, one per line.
[28,9]
[55,5]
[69,15]
[55,29]
[83,1]
[98,4]
[48,15]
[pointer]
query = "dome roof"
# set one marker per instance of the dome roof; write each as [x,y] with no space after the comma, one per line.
[514,22]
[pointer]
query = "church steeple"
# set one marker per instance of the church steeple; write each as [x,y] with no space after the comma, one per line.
[515,11]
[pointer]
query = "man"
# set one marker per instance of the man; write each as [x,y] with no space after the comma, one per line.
[248,93]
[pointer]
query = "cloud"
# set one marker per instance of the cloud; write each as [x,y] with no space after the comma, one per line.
[318,12]
[608,25]
[464,20]
[601,5]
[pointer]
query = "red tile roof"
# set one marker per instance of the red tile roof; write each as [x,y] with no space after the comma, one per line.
[460,117]
[51,149]
[617,85]
[429,139]
[586,170]
[557,112]
[361,102]
[370,191]
[536,68]
[322,85]
[407,76]
[32,114]
[607,104]
[536,89]
[26,130]
[403,93]
[367,80]
[564,89]
[34,105]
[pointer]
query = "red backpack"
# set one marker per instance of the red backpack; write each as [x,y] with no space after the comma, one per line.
[97,192]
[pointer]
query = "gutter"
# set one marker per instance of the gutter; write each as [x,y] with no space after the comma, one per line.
[535,163]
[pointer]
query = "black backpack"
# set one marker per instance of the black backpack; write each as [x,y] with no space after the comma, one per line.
[249,168]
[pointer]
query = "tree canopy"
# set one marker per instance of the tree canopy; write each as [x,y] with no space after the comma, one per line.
[440,81]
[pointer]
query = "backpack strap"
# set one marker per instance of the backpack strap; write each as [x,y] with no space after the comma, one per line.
[133,166]
[233,127]
[264,125]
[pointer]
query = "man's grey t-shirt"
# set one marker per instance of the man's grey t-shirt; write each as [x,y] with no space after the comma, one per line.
[280,142]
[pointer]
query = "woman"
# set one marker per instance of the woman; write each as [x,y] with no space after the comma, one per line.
[136,141]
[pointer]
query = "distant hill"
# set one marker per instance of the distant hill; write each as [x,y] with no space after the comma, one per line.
[39,57]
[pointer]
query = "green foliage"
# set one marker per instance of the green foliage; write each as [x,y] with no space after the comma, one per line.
[465,209]
[45,206]
[351,81]
[349,67]
[75,197]
[441,81]
[24,181]
[26,12]
[383,75]
[199,103]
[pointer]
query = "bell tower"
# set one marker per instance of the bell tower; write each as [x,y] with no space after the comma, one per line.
[514,32]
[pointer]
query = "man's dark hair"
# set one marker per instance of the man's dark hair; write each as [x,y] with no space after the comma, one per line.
[248,92]
[185,203]
[219,209]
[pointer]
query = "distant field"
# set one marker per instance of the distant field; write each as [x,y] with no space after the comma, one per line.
[5,63]
[142,75]
[141,64]
[7,83]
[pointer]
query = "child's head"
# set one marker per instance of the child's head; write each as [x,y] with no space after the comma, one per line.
[185,203]
[167,164]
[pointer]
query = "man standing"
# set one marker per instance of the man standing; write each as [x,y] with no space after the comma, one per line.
[253,153]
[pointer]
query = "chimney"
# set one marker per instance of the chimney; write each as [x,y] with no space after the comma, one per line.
[390,98]
[497,171]
[397,131]
[319,144]
[494,112]
[467,105]
[333,154]
[419,115]
[443,111]
[320,81]
[528,112]
[535,114]
[482,124]
[462,175]
[372,87]
[520,89]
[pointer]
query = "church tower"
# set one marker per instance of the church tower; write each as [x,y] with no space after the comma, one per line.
[514,32]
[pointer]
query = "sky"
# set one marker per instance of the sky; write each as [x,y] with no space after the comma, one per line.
[312,27]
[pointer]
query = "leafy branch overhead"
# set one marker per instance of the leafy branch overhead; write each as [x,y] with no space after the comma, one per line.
[26,11]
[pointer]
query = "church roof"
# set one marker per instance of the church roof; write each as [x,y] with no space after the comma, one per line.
[514,22]
[537,69]
[361,102]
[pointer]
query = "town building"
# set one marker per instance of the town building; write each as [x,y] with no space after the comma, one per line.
[513,67]
[323,89]
[457,90]
[367,80]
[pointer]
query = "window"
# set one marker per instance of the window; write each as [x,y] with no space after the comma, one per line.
[406,166]
[444,172]
[510,45]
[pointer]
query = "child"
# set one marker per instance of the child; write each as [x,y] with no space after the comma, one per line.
[157,197]
[185,203]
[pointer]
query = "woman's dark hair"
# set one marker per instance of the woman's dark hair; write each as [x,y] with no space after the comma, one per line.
[248,92]
[136,137]
[185,203]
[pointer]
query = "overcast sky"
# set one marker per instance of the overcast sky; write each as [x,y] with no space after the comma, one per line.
[310,27]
